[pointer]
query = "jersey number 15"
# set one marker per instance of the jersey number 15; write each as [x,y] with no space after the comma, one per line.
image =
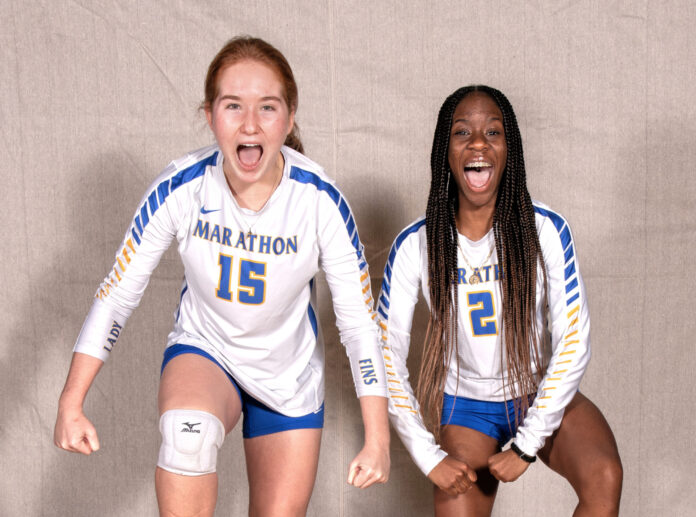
[251,287]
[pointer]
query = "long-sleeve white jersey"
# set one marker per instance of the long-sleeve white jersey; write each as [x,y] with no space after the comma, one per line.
[248,295]
[482,374]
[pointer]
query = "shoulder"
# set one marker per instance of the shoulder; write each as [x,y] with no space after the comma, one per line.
[556,240]
[192,165]
[304,171]
[410,241]
[184,171]
[406,257]
[413,233]
[298,160]
[181,172]
[551,225]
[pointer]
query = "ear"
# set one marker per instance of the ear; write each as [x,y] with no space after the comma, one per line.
[291,124]
[209,115]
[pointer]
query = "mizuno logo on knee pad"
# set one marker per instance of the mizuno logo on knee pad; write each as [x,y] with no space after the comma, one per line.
[189,428]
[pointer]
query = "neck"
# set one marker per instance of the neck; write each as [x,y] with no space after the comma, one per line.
[254,196]
[475,223]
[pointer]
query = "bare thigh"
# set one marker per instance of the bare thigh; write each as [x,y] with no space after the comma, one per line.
[282,468]
[583,450]
[473,448]
[190,381]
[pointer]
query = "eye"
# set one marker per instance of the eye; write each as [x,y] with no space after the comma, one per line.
[267,107]
[493,132]
[232,106]
[461,132]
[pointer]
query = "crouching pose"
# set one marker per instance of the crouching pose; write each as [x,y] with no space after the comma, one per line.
[255,221]
[497,270]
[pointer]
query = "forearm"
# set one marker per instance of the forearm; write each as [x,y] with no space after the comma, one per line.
[375,420]
[83,370]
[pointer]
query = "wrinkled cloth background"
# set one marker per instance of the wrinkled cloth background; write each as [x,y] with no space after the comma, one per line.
[96,97]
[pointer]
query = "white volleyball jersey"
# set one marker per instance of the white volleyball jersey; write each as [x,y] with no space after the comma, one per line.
[248,295]
[482,374]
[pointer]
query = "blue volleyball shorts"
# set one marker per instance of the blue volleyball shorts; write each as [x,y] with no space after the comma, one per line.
[495,419]
[259,420]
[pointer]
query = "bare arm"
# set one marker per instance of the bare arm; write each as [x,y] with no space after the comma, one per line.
[73,431]
[371,465]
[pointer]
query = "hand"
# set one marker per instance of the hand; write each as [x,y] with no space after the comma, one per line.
[507,466]
[370,466]
[452,476]
[74,432]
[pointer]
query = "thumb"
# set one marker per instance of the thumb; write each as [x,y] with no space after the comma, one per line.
[92,439]
[353,471]
[472,474]
[466,469]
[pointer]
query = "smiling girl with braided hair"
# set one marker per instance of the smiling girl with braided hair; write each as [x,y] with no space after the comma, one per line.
[508,336]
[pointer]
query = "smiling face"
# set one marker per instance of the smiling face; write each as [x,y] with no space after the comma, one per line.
[477,152]
[250,120]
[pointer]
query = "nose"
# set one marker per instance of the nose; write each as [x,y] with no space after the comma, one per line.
[478,141]
[250,123]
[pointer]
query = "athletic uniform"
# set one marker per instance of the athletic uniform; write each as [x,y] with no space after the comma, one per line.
[482,375]
[248,299]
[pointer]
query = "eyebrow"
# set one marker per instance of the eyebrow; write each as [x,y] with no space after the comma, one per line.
[238,98]
[491,119]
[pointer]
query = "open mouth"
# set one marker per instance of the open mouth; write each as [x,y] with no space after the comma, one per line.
[478,173]
[249,155]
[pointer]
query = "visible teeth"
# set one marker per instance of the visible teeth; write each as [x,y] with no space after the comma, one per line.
[478,164]
[249,145]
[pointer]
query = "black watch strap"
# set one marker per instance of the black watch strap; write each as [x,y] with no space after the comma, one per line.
[522,455]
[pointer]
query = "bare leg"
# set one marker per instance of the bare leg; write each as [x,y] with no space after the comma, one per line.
[583,451]
[473,448]
[281,469]
[190,381]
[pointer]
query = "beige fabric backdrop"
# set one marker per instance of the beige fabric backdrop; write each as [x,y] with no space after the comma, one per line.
[96,97]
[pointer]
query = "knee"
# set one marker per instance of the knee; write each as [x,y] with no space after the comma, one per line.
[190,442]
[610,474]
[287,507]
[603,482]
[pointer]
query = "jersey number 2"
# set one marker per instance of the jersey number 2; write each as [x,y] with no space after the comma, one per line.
[482,313]
[251,287]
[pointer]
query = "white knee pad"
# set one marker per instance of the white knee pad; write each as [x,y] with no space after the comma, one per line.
[190,441]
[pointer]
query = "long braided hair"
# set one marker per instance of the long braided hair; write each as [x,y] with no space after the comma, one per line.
[519,254]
